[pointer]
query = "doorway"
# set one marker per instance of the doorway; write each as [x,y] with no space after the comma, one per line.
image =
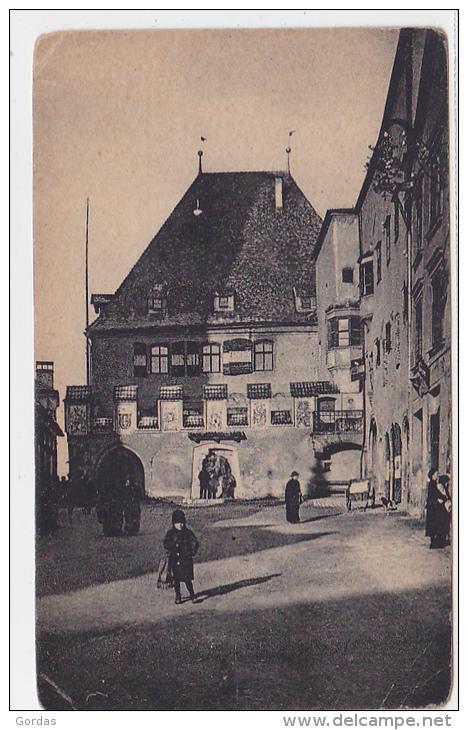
[215,472]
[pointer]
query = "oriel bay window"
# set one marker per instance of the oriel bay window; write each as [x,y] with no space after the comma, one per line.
[344,332]
[263,355]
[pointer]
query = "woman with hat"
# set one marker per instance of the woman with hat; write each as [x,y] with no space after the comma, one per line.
[293,497]
[181,545]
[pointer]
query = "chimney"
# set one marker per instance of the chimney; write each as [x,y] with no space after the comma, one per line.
[45,373]
[279,193]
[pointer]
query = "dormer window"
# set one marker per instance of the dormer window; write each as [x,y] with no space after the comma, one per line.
[157,301]
[224,302]
[155,304]
[304,300]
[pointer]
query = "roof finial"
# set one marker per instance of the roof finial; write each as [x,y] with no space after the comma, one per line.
[200,155]
[288,151]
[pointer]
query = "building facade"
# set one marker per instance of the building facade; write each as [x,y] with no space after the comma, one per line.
[253,334]
[45,434]
[404,221]
[210,349]
[399,232]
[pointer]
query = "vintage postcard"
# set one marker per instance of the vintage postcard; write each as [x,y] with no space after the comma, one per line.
[245,473]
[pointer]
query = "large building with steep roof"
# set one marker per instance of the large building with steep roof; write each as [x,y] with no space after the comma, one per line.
[209,347]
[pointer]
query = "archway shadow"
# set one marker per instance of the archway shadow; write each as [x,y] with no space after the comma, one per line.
[320,517]
[230,587]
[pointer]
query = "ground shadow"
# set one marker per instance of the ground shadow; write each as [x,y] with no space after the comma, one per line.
[344,654]
[321,517]
[229,587]
[80,557]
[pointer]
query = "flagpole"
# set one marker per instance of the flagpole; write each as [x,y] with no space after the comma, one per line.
[87,295]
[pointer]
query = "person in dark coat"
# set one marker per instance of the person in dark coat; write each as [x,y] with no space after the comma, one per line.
[437,518]
[444,482]
[293,497]
[181,546]
[204,479]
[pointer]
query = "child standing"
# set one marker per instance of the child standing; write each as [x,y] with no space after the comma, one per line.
[181,545]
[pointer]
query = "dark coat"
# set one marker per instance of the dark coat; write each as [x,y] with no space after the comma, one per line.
[437,517]
[181,546]
[293,494]
[293,497]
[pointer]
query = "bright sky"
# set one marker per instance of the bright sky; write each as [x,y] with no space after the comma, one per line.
[118,117]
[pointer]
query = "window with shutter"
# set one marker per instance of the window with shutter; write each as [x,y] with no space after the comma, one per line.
[139,360]
[193,358]
[178,359]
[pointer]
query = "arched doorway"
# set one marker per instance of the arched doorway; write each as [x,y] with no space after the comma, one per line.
[221,462]
[387,466]
[405,455]
[372,461]
[396,463]
[120,489]
[337,464]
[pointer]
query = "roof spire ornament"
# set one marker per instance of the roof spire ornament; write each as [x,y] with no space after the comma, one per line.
[288,149]
[288,152]
[200,155]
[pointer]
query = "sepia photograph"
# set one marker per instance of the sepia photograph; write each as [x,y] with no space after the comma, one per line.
[245,478]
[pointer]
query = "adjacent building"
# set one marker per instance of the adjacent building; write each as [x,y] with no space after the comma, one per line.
[46,432]
[386,268]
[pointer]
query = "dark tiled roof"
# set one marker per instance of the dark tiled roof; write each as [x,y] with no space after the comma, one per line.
[215,392]
[171,392]
[78,393]
[125,392]
[257,391]
[308,390]
[240,242]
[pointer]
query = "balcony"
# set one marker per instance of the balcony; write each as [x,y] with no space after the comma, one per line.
[338,422]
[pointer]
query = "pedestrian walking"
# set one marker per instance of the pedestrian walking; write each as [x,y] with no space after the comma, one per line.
[293,497]
[437,518]
[181,545]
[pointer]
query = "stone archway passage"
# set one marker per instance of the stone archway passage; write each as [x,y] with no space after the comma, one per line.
[121,488]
